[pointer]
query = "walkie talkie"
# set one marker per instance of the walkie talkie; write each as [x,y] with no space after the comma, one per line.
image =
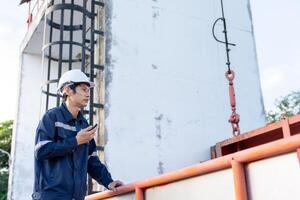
[94,127]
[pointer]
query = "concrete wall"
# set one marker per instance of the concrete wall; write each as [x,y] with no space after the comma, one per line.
[166,94]
[166,97]
[21,179]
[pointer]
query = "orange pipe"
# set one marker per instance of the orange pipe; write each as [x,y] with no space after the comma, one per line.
[103,195]
[139,194]
[249,155]
[239,180]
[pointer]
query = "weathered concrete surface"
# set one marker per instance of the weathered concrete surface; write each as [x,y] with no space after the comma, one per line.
[21,179]
[166,94]
[167,98]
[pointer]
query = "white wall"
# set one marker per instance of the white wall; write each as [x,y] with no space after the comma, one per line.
[167,98]
[26,121]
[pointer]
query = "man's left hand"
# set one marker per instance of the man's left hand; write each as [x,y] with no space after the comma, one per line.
[114,185]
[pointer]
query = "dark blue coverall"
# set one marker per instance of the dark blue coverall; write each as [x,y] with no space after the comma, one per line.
[61,166]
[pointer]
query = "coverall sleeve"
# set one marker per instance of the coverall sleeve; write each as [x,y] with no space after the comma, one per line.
[45,145]
[96,169]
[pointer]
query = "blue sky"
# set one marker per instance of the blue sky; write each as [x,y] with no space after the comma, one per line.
[276,27]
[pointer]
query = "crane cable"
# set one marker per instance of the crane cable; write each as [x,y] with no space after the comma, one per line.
[234,118]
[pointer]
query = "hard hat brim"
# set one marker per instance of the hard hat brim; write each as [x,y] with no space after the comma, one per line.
[91,85]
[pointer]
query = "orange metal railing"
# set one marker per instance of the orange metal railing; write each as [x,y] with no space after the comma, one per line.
[33,8]
[235,161]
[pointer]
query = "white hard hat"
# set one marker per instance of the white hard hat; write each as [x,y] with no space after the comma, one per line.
[71,77]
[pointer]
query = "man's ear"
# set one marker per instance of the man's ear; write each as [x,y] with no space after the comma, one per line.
[68,91]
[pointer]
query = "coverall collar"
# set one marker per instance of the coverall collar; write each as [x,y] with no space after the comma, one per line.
[68,116]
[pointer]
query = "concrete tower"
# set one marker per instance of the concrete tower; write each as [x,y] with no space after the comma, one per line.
[163,89]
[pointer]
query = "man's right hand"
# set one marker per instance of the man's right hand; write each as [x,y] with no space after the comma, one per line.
[85,135]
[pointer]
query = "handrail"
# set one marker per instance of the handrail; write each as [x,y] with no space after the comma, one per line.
[275,148]
[33,8]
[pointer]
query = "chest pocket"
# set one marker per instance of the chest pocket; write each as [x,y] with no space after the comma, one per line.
[65,130]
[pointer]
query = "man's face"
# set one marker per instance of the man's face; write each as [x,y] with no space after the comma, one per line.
[81,97]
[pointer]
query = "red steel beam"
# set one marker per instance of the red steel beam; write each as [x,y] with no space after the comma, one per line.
[245,156]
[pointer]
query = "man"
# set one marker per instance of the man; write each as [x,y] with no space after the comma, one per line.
[65,150]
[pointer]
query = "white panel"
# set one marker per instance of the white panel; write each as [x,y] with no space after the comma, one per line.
[275,178]
[214,186]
